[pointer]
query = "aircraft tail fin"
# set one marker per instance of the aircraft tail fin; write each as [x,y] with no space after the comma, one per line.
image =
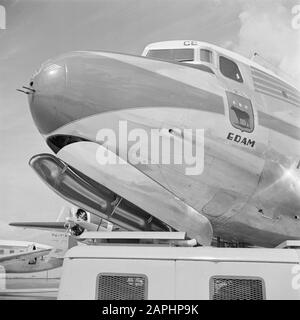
[61,244]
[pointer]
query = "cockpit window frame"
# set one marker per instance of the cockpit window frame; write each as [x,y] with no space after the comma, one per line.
[211,55]
[225,74]
[193,59]
[208,67]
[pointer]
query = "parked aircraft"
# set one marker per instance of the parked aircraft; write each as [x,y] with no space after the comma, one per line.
[26,256]
[31,256]
[249,188]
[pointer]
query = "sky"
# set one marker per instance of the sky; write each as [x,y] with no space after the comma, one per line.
[37,30]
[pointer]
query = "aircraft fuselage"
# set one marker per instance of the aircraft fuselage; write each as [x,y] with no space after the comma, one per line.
[249,188]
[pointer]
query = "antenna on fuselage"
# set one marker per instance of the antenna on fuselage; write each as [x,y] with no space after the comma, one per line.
[255,54]
[29,90]
[272,67]
[23,91]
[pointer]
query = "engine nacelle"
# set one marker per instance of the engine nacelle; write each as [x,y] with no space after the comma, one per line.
[93,198]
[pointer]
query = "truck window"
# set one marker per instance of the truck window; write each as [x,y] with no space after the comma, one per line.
[206,55]
[121,286]
[236,288]
[230,69]
[179,55]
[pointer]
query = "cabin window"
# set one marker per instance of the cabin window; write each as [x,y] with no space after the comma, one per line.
[230,69]
[236,288]
[121,286]
[1,251]
[206,55]
[179,55]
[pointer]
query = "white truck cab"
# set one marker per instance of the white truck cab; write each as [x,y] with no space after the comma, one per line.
[162,270]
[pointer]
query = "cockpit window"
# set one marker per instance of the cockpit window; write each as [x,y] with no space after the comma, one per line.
[180,55]
[206,55]
[230,69]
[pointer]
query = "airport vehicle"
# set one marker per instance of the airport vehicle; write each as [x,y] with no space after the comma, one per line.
[248,190]
[157,268]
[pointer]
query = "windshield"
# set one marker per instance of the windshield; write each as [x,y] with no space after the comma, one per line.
[179,55]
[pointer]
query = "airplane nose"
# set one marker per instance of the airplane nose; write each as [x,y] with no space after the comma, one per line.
[82,84]
[49,84]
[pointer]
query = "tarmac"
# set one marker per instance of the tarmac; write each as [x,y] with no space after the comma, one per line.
[29,289]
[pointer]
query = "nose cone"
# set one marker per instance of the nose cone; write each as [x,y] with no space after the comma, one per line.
[82,84]
[49,84]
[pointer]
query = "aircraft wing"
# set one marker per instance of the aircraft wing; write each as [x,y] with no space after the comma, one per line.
[49,226]
[28,255]
[58,226]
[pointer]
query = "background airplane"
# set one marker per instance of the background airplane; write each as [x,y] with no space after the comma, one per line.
[31,256]
[28,257]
